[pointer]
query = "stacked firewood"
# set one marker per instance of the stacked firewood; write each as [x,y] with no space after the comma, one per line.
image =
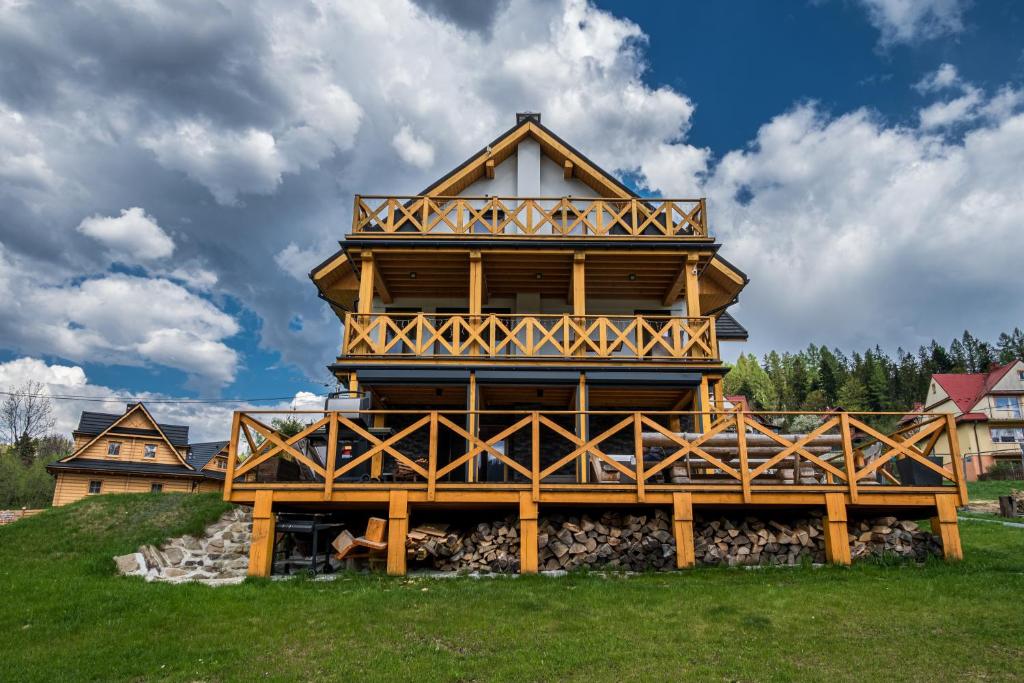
[753,541]
[615,540]
[643,541]
[890,536]
[487,547]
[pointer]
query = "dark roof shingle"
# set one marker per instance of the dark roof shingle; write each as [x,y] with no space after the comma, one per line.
[91,424]
[201,453]
[728,328]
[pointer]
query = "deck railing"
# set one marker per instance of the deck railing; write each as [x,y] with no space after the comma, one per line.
[529,216]
[501,336]
[633,452]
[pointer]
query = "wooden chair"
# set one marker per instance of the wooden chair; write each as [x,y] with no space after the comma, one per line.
[371,545]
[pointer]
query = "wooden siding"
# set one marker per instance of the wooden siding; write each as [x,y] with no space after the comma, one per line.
[133,446]
[72,486]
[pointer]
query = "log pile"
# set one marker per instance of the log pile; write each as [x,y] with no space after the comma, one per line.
[627,541]
[487,547]
[890,536]
[643,541]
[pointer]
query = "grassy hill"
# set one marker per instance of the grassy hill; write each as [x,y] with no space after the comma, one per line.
[67,616]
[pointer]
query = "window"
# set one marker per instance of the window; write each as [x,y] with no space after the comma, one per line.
[195,486]
[150,451]
[1008,435]
[156,488]
[1007,406]
[1020,375]
[114,448]
[222,463]
[94,487]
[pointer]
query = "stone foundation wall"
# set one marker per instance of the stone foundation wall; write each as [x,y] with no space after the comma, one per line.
[220,556]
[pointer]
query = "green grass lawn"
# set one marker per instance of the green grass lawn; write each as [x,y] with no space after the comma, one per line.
[65,615]
[991,490]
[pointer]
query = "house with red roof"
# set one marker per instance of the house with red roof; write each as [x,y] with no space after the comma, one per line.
[989,410]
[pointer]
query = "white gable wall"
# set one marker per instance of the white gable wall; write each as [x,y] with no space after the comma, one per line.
[528,173]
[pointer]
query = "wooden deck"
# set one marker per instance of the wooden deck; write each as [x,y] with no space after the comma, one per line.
[546,458]
[632,218]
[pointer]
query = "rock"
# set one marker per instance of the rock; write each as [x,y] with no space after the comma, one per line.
[130,564]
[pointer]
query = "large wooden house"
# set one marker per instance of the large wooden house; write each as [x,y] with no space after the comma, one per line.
[133,453]
[526,332]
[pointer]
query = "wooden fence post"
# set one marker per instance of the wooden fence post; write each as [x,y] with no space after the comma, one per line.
[332,456]
[944,524]
[398,529]
[837,542]
[229,476]
[682,528]
[261,550]
[527,534]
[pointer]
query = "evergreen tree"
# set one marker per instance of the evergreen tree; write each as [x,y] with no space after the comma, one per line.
[852,395]
[1011,346]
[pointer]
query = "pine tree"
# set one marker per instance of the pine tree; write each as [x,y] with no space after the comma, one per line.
[852,395]
[1011,346]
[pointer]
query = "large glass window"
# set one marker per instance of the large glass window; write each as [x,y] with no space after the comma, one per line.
[1007,406]
[1008,434]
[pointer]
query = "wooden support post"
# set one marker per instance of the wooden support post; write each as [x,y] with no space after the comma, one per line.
[432,458]
[367,269]
[705,404]
[741,442]
[229,476]
[638,453]
[377,460]
[682,528]
[527,533]
[956,459]
[944,524]
[332,456]
[692,291]
[582,428]
[837,542]
[261,550]
[535,455]
[472,426]
[848,457]
[476,296]
[398,529]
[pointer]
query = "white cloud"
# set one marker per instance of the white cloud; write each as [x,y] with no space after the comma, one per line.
[206,421]
[945,114]
[116,318]
[946,76]
[297,262]
[909,21]
[133,236]
[412,149]
[857,232]
[24,166]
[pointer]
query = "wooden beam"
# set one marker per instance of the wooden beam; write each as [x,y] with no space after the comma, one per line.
[944,524]
[567,169]
[261,548]
[527,534]
[837,540]
[578,284]
[489,169]
[674,289]
[382,289]
[367,279]
[475,282]
[682,528]
[583,428]
[692,287]
[398,529]
[472,405]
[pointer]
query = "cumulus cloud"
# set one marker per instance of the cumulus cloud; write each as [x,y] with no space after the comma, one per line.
[909,21]
[206,421]
[115,318]
[133,236]
[413,150]
[860,232]
[297,262]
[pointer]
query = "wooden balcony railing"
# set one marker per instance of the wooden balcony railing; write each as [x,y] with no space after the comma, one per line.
[501,336]
[530,216]
[634,452]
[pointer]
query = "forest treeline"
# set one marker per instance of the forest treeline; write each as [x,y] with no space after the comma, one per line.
[819,378]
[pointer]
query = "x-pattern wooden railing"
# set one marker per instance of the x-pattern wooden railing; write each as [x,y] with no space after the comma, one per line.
[833,451]
[529,336]
[532,216]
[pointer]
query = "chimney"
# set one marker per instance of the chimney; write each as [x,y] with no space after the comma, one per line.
[524,116]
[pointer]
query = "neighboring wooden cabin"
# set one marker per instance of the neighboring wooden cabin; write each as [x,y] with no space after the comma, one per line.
[132,453]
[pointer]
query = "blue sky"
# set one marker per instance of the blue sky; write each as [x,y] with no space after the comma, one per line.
[170,172]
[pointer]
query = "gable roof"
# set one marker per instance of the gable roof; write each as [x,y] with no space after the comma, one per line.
[157,432]
[199,454]
[504,146]
[92,424]
[966,389]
